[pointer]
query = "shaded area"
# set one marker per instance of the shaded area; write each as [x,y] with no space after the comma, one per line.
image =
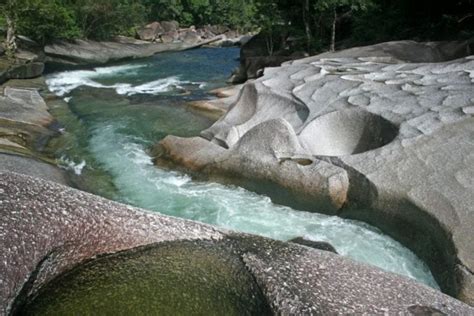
[176,278]
[347,132]
[72,227]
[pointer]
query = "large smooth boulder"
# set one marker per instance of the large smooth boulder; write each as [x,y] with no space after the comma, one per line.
[190,37]
[170,26]
[378,133]
[85,52]
[62,249]
[150,32]
[24,133]
[31,167]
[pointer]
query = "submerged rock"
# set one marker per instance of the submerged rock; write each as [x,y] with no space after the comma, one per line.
[80,251]
[379,133]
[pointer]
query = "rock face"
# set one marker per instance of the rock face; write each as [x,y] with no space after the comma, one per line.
[85,52]
[24,132]
[24,118]
[151,32]
[26,65]
[169,32]
[256,54]
[28,61]
[379,133]
[59,228]
[31,167]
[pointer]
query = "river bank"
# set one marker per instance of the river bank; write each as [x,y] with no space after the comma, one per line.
[332,130]
[129,89]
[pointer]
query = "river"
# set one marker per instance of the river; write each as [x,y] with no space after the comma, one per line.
[120,111]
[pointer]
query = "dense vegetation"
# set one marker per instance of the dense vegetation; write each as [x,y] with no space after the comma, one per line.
[318,23]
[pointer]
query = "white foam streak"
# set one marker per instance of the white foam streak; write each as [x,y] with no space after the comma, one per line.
[154,87]
[63,83]
[69,164]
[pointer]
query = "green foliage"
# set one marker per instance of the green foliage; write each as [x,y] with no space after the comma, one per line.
[312,21]
[40,20]
[106,18]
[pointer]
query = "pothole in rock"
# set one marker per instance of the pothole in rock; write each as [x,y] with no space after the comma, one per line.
[185,278]
[347,132]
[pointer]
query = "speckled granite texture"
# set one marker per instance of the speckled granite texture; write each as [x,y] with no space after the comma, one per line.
[380,133]
[47,229]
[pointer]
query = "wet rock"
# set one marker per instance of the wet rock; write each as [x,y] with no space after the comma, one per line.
[60,228]
[378,133]
[184,277]
[321,245]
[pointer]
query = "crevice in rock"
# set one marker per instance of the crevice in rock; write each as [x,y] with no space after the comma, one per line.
[362,192]
[407,223]
[23,295]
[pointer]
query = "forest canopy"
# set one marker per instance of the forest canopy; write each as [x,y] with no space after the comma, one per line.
[314,21]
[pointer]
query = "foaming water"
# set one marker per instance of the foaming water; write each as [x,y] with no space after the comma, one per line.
[65,82]
[141,183]
[121,126]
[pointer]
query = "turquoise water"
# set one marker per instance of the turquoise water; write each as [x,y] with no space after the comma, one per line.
[124,109]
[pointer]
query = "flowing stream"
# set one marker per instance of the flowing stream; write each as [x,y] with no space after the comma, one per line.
[119,111]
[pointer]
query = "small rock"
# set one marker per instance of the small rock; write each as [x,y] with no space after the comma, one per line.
[321,245]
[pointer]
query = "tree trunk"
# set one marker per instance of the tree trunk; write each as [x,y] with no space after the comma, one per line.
[306,19]
[269,42]
[11,37]
[333,33]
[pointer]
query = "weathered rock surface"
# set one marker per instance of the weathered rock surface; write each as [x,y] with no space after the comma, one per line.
[24,118]
[31,167]
[216,108]
[322,245]
[26,65]
[169,32]
[47,229]
[82,52]
[151,32]
[24,133]
[371,133]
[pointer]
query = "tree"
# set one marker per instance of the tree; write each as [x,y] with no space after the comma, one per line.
[333,6]
[10,8]
[307,26]
[269,18]
[106,18]
[46,20]
[160,10]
